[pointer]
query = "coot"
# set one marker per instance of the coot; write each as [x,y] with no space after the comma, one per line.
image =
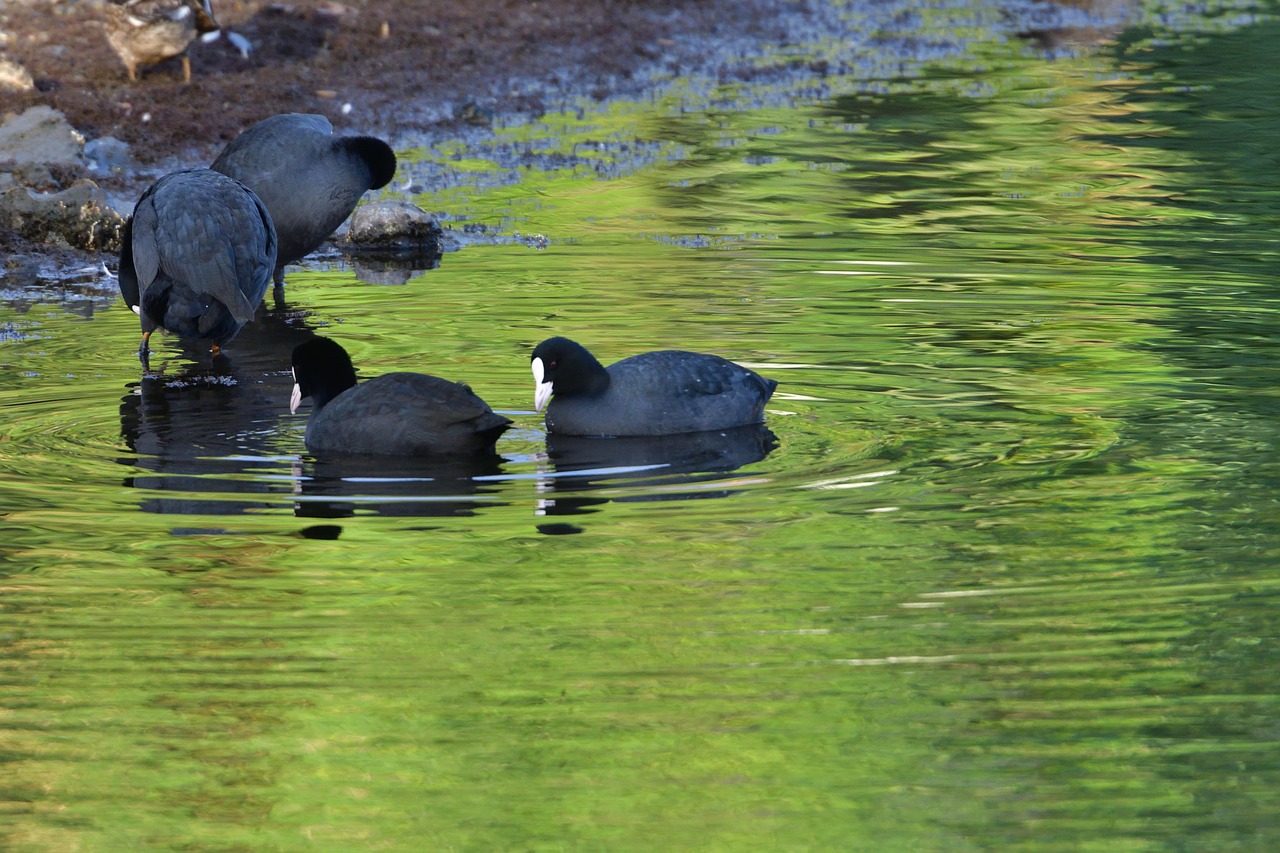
[404,414]
[308,178]
[654,393]
[197,257]
[147,32]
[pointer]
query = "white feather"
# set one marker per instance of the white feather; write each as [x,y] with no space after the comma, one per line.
[541,389]
[241,43]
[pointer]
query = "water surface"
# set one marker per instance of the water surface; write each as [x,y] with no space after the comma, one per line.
[999,575]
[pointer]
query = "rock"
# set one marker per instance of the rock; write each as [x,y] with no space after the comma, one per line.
[473,113]
[393,228]
[40,150]
[21,273]
[35,175]
[78,216]
[108,156]
[14,78]
[41,135]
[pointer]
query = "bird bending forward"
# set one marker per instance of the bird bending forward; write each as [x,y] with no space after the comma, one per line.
[197,257]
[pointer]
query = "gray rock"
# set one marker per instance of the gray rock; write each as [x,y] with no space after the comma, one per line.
[78,216]
[14,78]
[108,156]
[21,273]
[393,227]
[30,174]
[41,135]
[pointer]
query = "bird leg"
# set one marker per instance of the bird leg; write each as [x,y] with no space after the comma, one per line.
[277,291]
[144,352]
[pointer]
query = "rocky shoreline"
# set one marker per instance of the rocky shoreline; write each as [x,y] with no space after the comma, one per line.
[45,199]
[47,206]
[79,141]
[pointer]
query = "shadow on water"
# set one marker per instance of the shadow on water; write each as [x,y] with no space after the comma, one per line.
[211,426]
[208,435]
[342,486]
[662,468]
[391,270]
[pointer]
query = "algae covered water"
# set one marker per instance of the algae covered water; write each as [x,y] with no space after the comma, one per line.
[999,573]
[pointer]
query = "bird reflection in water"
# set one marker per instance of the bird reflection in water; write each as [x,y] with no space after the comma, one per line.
[684,466]
[343,486]
[213,427]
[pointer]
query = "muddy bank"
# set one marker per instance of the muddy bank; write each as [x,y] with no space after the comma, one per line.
[398,68]
[414,71]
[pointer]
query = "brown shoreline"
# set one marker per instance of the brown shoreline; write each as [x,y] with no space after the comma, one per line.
[408,71]
[406,68]
[411,71]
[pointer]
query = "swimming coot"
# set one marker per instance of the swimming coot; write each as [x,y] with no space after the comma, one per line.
[197,257]
[147,32]
[308,178]
[404,414]
[654,393]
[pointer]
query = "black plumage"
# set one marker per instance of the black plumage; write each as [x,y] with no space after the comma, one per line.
[197,257]
[308,178]
[654,393]
[403,414]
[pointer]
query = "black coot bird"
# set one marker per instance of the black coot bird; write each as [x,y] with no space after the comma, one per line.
[403,414]
[197,257]
[654,393]
[147,32]
[308,178]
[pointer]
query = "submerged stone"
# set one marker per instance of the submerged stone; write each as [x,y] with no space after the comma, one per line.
[393,228]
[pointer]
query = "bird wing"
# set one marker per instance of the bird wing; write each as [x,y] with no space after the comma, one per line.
[257,268]
[227,250]
[127,276]
[208,264]
[146,254]
[413,412]
[448,402]
[680,373]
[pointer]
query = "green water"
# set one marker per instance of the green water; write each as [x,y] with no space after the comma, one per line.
[1007,581]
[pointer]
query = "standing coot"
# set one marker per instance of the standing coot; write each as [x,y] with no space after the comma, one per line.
[308,178]
[654,393]
[404,414]
[197,257]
